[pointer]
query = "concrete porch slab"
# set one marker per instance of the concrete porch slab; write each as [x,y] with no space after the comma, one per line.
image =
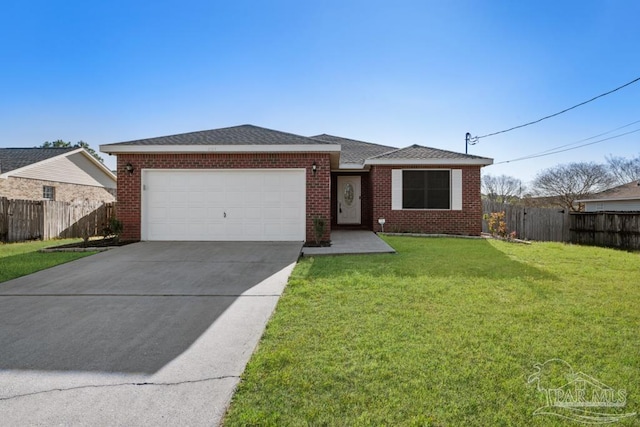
[344,242]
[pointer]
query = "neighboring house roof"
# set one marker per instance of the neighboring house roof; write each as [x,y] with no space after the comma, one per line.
[353,154]
[629,191]
[68,165]
[16,158]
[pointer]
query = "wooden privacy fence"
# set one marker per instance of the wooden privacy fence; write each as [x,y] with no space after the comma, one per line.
[542,224]
[612,229]
[33,219]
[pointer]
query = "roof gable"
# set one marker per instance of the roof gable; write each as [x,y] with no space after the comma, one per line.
[420,152]
[69,165]
[420,155]
[16,158]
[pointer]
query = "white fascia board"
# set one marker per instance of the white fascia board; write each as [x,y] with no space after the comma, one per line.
[293,148]
[411,162]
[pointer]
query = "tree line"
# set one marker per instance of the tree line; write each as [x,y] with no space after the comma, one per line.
[67,144]
[564,184]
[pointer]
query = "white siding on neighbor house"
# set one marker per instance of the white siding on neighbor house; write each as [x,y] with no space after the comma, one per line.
[73,169]
[612,205]
[396,189]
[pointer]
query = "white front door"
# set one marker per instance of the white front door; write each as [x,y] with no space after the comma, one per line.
[349,204]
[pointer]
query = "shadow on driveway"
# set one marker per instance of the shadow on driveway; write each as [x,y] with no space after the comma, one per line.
[131,309]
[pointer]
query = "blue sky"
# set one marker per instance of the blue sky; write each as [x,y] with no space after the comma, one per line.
[395,73]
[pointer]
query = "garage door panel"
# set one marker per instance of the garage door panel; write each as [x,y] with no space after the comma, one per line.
[177,197]
[288,228]
[290,214]
[197,214]
[215,213]
[157,214]
[264,204]
[196,198]
[214,198]
[177,213]
[234,198]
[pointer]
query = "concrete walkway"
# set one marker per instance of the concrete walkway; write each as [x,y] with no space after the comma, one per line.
[345,242]
[150,334]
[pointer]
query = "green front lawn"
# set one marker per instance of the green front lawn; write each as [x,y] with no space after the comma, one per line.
[446,332]
[20,259]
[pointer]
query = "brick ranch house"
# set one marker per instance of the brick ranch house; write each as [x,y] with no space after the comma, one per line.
[251,183]
[61,174]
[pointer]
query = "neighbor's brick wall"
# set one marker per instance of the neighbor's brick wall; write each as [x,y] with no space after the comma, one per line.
[31,189]
[468,221]
[129,185]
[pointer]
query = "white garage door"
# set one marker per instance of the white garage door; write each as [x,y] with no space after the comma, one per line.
[246,204]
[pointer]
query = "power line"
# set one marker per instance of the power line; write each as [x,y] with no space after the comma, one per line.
[585,139]
[476,138]
[534,156]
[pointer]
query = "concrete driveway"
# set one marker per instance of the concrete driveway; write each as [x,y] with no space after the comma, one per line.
[154,333]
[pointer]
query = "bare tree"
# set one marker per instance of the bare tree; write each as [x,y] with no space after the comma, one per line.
[501,188]
[624,170]
[573,181]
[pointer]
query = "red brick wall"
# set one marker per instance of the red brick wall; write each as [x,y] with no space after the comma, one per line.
[129,185]
[467,221]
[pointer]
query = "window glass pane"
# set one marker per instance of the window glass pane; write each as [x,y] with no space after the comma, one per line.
[426,189]
[48,192]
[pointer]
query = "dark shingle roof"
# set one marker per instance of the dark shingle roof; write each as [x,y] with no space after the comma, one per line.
[16,158]
[630,190]
[419,152]
[236,135]
[353,151]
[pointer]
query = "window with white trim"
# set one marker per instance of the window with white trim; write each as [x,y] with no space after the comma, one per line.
[426,189]
[48,192]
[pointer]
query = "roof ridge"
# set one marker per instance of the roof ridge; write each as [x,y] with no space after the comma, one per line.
[349,139]
[386,153]
[237,133]
[272,130]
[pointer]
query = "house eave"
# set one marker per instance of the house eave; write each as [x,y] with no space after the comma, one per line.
[175,149]
[411,162]
[352,166]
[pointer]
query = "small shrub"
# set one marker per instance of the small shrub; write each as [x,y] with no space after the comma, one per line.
[319,225]
[113,228]
[85,234]
[498,226]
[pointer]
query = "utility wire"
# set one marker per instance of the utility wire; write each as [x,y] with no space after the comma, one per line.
[533,156]
[585,139]
[476,138]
